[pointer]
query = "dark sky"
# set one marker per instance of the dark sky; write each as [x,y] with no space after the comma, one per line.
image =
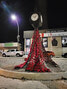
[57,13]
[54,14]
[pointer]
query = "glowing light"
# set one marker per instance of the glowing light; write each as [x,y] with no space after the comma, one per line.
[13,17]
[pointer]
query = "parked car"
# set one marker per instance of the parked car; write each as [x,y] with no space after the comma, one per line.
[13,52]
[64,55]
[49,53]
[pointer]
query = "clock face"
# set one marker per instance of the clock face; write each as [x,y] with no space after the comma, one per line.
[34,17]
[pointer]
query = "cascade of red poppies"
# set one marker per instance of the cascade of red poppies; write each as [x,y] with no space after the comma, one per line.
[35,60]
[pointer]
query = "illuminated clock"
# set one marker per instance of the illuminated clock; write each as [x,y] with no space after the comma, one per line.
[34,17]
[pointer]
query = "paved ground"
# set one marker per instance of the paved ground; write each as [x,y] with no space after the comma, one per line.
[10,62]
[7,83]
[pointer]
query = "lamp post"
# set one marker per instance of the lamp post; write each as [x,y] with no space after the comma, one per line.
[14,17]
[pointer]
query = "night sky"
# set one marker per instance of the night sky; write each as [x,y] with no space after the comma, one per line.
[54,14]
[57,13]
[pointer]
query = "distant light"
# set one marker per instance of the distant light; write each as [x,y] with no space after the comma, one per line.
[13,17]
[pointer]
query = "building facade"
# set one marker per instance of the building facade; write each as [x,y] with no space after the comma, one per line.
[52,41]
[9,45]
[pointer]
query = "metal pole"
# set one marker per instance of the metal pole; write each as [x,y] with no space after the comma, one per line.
[18,36]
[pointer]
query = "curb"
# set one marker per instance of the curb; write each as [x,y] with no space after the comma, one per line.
[33,75]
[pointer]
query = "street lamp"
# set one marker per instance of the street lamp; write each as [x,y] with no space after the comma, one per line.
[14,17]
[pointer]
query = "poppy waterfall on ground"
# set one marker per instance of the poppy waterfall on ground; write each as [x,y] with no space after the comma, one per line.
[35,60]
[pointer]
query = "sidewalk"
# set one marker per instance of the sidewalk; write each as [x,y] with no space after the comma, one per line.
[32,80]
[7,83]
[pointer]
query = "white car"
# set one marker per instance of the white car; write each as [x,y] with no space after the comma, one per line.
[13,52]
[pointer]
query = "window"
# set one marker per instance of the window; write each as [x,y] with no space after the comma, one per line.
[12,50]
[17,50]
[45,41]
[28,43]
[64,41]
[54,41]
